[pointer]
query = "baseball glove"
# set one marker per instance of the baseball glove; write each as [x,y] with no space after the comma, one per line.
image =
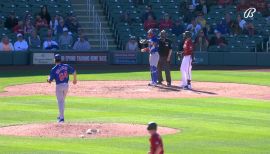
[143,43]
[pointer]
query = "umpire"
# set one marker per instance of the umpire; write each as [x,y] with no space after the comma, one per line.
[165,52]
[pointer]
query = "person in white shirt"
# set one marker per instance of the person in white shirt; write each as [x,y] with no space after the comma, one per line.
[20,44]
[49,44]
[132,44]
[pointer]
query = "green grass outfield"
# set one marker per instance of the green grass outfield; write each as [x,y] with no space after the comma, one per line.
[209,125]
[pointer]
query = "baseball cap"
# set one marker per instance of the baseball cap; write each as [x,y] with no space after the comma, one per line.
[65,29]
[152,126]
[19,35]
[57,57]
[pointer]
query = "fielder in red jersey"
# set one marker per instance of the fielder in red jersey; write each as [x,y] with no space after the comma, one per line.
[156,144]
[186,66]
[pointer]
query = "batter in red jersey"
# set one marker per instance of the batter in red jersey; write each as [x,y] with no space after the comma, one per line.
[156,145]
[187,60]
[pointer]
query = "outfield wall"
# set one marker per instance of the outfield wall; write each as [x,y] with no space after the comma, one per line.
[130,58]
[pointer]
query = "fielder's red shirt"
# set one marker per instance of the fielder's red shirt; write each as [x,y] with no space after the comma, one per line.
[188,47]
[155,141]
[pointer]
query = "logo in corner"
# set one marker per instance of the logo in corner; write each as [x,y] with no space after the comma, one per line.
[249,13]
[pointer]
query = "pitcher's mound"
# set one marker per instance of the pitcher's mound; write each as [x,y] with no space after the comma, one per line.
[81,130]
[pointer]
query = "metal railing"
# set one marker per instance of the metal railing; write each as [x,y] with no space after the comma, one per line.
[97,25]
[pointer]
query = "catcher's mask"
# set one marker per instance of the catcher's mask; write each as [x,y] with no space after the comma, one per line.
[163,34]
[152,126]
[187,34]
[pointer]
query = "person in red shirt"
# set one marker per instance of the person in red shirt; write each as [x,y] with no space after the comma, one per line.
[40,23]
[186,66]
[150,23]
[19,28]
[166,22]
[156,144]
[243,5]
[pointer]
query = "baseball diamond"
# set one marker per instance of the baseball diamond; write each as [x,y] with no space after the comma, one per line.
[135,77]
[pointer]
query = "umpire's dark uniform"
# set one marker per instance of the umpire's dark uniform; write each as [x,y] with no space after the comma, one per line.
[165,49]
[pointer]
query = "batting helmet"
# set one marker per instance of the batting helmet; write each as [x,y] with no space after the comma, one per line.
[152,126]
[150,33]
[187,34]
[163,34]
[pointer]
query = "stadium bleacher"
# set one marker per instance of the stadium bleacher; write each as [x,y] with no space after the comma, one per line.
[31,7]
[236,43]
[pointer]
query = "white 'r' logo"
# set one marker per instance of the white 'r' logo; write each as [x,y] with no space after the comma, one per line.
[249,13]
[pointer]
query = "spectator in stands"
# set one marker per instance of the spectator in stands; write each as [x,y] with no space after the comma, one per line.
[194,27]
[241,22]
[11,21]
[201,42]
[50,34]
[74,26]
[60,27]
[40,23]
[19,28]
[27,17]
[232,25]
[150,23]
[218,40]
[82,44]
[202,7]
[223,27]
[126,18]
[54,23]
[34,40]
[50,44]
[68,20]
[44,14]
[166,22]
[132,44]
[224,2]
[249,29]
[200,20]
[65,40]
[243,5]
[228,21]
[5,45]
[20,44]
[260,5]
[148,12]
[189,15]
[178,28]
[28,27]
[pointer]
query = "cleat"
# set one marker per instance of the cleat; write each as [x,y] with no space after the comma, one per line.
[185,88]
[159,83]
[152,84]
[61,120]
[169,84]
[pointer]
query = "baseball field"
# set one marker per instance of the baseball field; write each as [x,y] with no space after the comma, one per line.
[212,119]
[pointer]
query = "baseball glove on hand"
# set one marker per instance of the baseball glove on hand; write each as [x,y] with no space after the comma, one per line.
[143,41]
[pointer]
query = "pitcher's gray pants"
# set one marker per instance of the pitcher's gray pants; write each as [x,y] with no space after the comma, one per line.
[61,93]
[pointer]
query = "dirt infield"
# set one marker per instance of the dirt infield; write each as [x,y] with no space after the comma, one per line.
[81,130]
[139,89]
